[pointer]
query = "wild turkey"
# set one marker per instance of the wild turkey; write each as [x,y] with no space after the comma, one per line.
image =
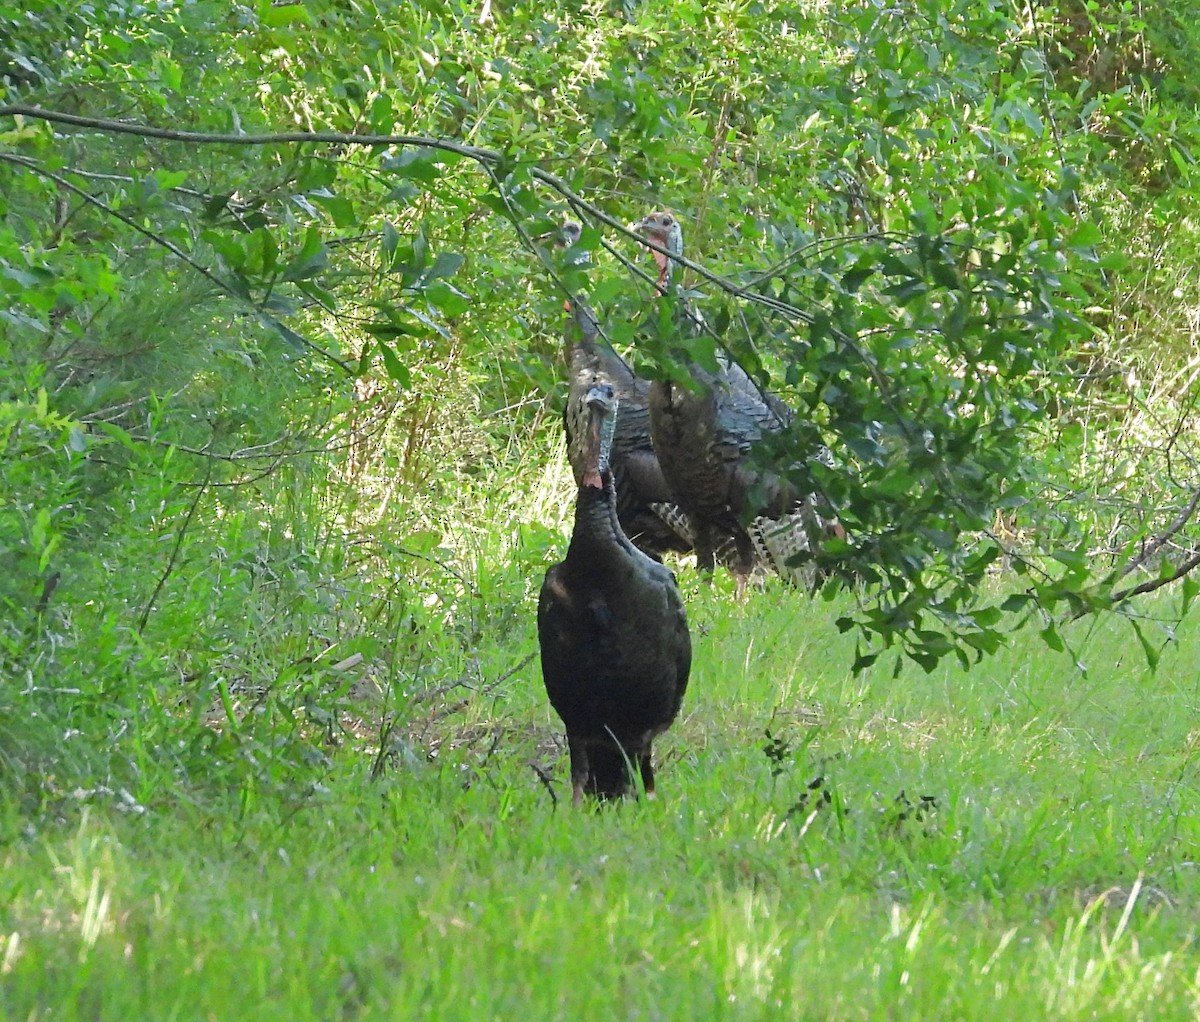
[611,626]
[639,481]
[703,435]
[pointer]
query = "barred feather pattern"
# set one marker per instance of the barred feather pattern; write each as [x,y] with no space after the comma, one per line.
[779,544]
[683,526]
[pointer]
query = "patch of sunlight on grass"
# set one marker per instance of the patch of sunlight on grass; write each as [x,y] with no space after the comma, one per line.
[81,897]
[747,934]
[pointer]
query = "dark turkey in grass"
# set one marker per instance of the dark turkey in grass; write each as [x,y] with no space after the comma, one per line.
[613,634]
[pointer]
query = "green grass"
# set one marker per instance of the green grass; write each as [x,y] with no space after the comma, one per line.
[1014,842]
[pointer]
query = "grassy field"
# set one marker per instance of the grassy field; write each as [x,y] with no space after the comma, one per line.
[1014,842]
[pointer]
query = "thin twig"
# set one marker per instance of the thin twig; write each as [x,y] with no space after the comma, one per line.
[547,783]
[245,481]
[1164,537]
[175,552]
[487,158]
[387,725]
[1157,583]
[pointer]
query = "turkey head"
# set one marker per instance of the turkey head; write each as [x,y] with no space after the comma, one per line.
[662,229]
[591,422]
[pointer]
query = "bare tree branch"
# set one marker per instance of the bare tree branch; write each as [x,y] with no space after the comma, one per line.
[485,157]
[1164,537]
[1187,566]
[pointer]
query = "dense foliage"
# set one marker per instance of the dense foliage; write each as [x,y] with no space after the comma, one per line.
[277,367]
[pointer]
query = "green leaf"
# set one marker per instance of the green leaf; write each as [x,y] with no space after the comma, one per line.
[168,179]
[1189,588]
[383,115]
[273,16]
[1152,654]
[855,277]
[704,350]
[447,299]
[1076,560]
[294,340]
[1051,638]
[862,662]
[340,209]
[1086,236]
[420,252]
[169,72]
[415,163]
[396,369]
[986,641]
[317,293]
[985,617]
[389,239]
[115,433]
[268,252]
[925,659]
[230,249]
[907,290]
[316,173]
[496,204]
[310,260]
[445,264]
[389,329]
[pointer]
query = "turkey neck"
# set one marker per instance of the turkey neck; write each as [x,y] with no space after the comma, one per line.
[598,536]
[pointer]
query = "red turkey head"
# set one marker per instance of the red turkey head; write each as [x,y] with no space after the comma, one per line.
[662,228]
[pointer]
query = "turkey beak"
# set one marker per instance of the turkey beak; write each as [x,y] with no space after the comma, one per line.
[649,230]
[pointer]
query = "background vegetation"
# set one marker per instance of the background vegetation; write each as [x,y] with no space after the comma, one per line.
[281,474]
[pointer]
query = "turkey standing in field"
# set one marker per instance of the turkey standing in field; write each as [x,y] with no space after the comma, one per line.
[611,626]
[703,435]
[637,476]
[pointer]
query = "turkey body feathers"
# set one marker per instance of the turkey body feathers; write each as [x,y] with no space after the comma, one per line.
[701,462]
[703,432]
[615,647]
[704,438]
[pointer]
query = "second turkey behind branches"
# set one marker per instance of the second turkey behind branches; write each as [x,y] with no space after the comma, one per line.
[703,434]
